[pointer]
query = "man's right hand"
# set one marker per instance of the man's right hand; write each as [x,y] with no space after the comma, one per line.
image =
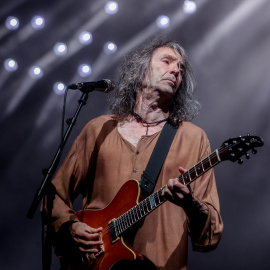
[86,238]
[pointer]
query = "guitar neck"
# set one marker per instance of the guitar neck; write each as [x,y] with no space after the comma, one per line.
[149,204]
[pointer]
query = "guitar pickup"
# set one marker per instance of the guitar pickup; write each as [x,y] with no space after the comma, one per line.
[113,231]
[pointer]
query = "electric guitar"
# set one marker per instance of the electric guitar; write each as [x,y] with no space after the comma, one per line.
[126,209]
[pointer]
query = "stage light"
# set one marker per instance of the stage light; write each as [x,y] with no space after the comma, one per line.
[12,23]
[84,70]
[163,21]
[38,22]
[60,48]
[59,88]
[111,8]
[10,65]
[189,6]
[36,72]
[110,48]
[85,38]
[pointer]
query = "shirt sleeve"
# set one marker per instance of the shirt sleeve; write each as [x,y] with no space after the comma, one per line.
[69,181]
[205,190]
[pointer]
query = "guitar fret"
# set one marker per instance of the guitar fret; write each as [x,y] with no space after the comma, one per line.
[195,171]
[132,216]
[218,157]
[189,176]
[186,176]
[117,226]
[183,180]
[137,217]
[143,208]
[146,204]
[123,222]
[152,202]
[202,166]
[125,219]
[138,212]
[120,225]
[158,197]
[128,218]
[210,161]
[128,215]
[140,208]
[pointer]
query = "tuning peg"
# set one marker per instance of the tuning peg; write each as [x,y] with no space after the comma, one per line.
[254,151]
[247,156]
[240,161]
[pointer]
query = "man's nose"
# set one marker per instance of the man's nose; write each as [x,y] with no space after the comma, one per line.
[175,70]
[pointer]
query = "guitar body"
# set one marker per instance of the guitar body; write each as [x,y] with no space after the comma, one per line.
[112,251]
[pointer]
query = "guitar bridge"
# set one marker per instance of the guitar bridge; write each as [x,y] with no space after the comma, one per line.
[100,248]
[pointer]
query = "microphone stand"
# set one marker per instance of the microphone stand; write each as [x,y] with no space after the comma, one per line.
[47,189]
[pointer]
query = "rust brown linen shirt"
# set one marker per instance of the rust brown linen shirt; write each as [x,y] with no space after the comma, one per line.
[101,161]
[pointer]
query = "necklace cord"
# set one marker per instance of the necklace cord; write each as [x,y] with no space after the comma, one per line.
[138,117]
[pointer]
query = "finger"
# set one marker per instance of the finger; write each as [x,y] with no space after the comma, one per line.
[88,244]
[93,230]
[89,250]
[181,170]
[88,237]
[80,229]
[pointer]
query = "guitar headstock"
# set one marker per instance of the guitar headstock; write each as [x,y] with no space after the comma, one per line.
[234,149]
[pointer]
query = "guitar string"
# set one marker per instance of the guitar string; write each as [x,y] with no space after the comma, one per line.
[147,204]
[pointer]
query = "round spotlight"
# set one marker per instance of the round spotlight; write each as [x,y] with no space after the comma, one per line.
[10,65]
[36,72]
[59,88]
[85,38]
[189,6]
[163,21]
[12,23]
[60,48]
[38,22]
[84,70]
[110,48]
[111,8]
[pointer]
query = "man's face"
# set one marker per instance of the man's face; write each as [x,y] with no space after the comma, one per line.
[166,69]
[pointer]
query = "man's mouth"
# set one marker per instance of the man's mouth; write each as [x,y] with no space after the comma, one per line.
[172,82]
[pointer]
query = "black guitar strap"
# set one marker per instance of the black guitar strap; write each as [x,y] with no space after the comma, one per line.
[151,173]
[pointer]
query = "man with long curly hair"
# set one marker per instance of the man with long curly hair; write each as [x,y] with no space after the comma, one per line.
[156,86]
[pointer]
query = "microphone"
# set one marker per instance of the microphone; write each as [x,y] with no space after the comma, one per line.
[104,86]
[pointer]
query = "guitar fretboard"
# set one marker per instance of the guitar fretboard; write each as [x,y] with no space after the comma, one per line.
[145,207]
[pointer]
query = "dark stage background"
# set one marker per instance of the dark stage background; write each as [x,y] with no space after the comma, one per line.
[228,42]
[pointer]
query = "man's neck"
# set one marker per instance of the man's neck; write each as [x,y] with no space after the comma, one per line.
[151,107]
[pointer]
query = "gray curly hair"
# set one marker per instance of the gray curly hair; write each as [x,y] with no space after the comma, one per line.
[132,72]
